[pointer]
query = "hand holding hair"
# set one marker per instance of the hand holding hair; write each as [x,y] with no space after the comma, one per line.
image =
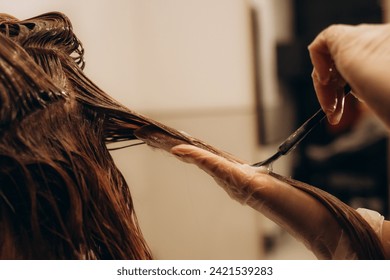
[296,207]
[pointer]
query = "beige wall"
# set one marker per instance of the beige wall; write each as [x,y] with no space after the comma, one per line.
[194,72]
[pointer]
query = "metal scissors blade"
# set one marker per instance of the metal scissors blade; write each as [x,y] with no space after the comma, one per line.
[295,138]
[298,135]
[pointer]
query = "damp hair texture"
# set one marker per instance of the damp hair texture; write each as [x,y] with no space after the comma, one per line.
[363,239]
[61,195]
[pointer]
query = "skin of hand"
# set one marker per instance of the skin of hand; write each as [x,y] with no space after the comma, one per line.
[294,210]
[358,55]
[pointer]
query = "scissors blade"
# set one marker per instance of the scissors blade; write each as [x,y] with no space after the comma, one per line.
[298,135]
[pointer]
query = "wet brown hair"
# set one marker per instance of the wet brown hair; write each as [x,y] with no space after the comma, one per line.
[61,195]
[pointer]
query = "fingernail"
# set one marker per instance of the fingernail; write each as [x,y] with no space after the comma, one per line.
[181,155]
[330,113]
[176,153]
[330,110]
[323,80]
[334,119]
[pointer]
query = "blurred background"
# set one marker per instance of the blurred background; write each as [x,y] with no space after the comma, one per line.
[236,74]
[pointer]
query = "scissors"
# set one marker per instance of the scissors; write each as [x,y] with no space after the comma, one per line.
[298,135]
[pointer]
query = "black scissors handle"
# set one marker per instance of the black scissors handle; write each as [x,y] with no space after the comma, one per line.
[294,139]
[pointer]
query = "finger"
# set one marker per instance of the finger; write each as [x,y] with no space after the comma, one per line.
[321,58]
[335,117]
[322,62]
[216,166]
[240,181]
[325,94]
[324,50]
[331,97]
[327,81]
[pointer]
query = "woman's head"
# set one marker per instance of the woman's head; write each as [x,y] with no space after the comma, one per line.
[61,195]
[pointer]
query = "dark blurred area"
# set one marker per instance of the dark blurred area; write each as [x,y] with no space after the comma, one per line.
[348,160]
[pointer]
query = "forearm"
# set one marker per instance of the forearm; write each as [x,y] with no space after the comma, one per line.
[299,213]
